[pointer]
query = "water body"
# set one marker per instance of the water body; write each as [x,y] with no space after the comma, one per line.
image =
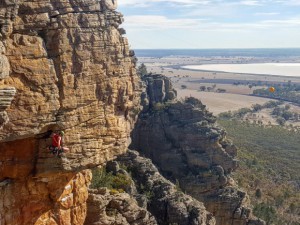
[280,69]
[265,53]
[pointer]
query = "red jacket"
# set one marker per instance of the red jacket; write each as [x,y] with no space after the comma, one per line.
[56,140]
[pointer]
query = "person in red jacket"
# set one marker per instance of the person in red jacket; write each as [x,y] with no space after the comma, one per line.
[57,144]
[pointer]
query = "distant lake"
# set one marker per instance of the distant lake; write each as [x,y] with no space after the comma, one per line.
[281,69]
[260,52]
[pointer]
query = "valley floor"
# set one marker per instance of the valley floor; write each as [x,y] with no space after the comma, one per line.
[238,87]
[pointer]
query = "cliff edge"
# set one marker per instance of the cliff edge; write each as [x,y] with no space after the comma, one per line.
[183,140]
[64,65]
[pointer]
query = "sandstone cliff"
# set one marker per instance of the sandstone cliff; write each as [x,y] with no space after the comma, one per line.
[184,142]
[64,65]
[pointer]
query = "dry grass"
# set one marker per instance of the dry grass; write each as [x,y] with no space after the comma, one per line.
[222,102]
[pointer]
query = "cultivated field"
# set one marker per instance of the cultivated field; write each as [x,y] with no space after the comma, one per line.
[188,82]
[222,102]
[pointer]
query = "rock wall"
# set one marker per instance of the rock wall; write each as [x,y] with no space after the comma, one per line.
[167,203]
[158,89]
[59,199]
[64,65]
[107,208]
[184,142]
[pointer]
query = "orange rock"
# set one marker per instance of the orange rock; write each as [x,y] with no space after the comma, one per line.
[72,71]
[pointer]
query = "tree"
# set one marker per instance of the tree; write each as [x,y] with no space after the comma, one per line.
[258,193]
[287,115]
[221,90]
[142,70]
[257,107]
[265,212]
[287,107]
[280,121]
[202,88]
[209,88]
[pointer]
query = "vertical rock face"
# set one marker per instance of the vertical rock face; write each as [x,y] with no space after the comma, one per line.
[183,140]
[165,201]
[64,65]
[159,89]
[59,199]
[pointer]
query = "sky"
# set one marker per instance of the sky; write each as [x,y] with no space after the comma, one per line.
[202,24]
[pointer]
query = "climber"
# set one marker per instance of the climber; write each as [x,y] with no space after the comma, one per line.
[57,144]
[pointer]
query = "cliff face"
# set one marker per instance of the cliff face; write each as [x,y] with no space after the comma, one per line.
[64,65]
[165,201]
[183,140]
[152,199]
[106,208]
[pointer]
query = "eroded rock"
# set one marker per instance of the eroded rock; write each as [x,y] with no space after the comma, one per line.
[115,208]
[165,201]
[71,70]
[184,142]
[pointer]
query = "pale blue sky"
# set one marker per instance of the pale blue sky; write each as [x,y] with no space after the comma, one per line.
[211,23]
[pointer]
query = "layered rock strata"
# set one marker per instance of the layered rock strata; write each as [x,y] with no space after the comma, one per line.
[164,200]
[64,65]
[106,208]
[159,89]
[58,199]
[184,142]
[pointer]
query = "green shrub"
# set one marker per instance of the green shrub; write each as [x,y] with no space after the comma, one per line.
[258,193]
[103,179]
[257,107]
[265,212]
[226,115]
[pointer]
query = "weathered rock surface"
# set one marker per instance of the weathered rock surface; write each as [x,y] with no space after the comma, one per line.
[115,209]
[54,200]
[6,96]
[72,71]
[168,204]
[183,141]
[159,89]
[64,65]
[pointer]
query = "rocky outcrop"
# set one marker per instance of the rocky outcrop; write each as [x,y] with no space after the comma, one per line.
[159,89]
[64,65]
[184,142]
[108,208]
[72,71]
[164,200]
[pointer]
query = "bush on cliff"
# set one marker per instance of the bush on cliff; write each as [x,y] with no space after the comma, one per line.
[101,178]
